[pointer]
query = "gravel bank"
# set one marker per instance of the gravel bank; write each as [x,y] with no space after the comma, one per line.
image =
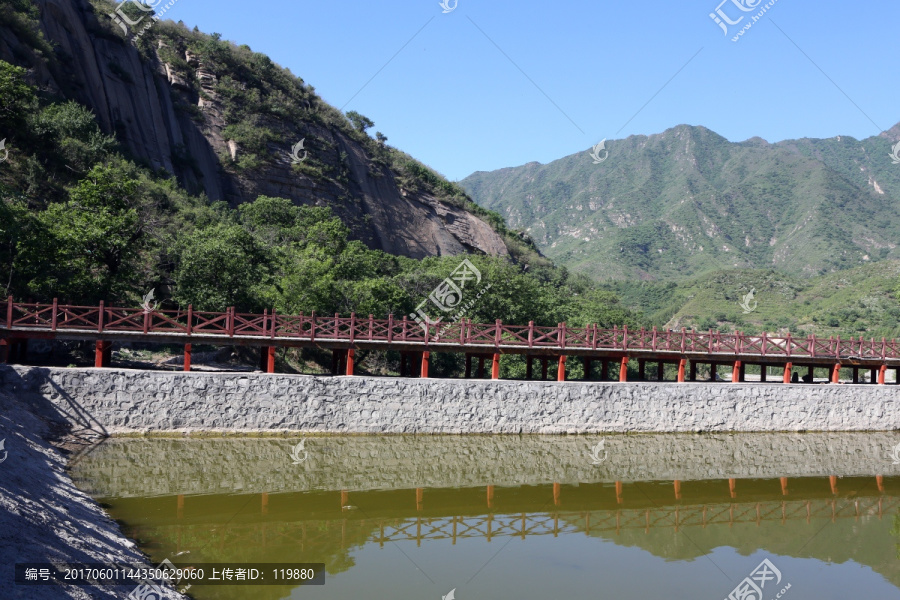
[43,516]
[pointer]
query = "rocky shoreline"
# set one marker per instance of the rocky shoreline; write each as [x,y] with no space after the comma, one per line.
[44,517]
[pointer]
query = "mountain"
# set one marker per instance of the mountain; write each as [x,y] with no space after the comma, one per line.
[688,202]
[224,119]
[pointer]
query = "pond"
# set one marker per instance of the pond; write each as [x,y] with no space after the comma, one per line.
[746,516]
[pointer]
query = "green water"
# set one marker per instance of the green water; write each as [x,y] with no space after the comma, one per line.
[518,517]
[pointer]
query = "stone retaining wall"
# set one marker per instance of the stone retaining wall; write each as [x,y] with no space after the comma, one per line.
[124,401]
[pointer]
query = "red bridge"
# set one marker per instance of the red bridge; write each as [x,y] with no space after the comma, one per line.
[343,336]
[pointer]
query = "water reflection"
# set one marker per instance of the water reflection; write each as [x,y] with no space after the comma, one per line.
[558,526]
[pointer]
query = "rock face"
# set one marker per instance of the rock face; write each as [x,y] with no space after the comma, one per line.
[123,401]
[164,123]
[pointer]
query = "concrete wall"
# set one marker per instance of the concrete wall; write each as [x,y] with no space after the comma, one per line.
[122,401]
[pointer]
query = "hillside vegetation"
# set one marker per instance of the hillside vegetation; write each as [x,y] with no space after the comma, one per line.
[83,219]
[850,303]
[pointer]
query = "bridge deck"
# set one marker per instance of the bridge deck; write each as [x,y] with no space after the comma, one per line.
[345,335]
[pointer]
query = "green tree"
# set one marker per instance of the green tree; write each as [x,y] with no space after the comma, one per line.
[17,99]
[26,251]
[360,122]
[99,232]
[72,131]
[223,266]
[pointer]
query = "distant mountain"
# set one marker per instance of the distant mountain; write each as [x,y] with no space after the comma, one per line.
[687,202]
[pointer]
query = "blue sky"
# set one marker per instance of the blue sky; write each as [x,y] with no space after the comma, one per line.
[501,83]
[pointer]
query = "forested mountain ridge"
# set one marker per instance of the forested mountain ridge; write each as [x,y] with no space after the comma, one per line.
[224,119]
[687,202]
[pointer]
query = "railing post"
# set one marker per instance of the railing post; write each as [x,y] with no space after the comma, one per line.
[230,319]
[337,325]
[788,343]
[371,326]
[837,347]
[683,339]
[405,325]
[146,321]
[390,328]
[265,330]
[352,327]
[562,334]
[190,319]
[625,337]
[653,339]
[497,335]
[812,345]
[883,348]
[274,319]
[100,318]
[530,334]
[594,337]
[764,341]
[9,312]
[312,327]
[53,317]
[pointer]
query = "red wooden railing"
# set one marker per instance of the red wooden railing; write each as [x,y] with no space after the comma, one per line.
[353,329]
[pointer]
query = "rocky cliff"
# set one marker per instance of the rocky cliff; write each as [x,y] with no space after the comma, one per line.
[166,107]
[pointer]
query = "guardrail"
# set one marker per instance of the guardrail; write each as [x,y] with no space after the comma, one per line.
[56,317]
